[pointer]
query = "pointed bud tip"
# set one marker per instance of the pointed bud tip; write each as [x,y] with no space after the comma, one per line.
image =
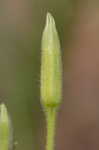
[49,20]
[50,38]
[49,17]
[3,112]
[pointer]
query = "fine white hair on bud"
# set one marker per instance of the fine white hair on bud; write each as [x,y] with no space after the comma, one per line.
[51,65]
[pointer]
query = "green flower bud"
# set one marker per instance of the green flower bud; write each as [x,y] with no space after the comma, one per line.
[51,67]
[4,128]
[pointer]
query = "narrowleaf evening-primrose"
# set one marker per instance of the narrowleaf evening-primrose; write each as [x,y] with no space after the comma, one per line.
[51,68]
[51,77]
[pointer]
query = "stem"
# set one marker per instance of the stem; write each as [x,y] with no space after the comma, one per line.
[51,118]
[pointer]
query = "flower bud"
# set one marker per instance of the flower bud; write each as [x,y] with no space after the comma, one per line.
[4,128]
[51,67]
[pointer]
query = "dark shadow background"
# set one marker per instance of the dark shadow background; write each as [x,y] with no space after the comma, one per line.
[21,25]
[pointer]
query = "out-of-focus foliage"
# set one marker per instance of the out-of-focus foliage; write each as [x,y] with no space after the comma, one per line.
[21,25]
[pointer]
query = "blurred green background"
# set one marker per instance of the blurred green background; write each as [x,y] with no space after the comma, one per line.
[21,26]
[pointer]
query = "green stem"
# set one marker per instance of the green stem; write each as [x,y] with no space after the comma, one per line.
[51,119]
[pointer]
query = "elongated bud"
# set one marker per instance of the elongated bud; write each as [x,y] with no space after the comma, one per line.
[51,68]
[4,128]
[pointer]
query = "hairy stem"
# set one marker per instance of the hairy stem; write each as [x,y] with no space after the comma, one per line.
[51,119]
